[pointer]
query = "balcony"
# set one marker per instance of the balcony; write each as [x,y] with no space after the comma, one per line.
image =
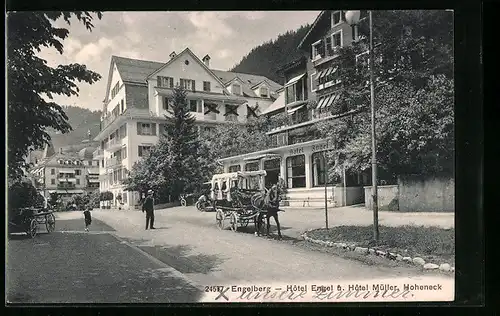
[66,186]
[114,144]
[66,176]
[326,56]
[98,153]
[113,162]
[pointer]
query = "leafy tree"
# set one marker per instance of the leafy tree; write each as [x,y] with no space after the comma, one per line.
[414,97]
[22,193]
[29,78]
[234,139]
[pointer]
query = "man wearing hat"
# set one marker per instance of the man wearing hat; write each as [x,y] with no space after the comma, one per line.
[148,206]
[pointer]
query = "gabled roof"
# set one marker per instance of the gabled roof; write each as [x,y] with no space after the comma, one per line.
[138,71]
[185,51]
[131,70]
[313,26]
[278,104]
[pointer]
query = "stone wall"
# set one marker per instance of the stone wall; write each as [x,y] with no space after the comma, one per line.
[435,194]
[387,197]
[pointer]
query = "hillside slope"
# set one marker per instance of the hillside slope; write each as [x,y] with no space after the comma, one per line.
[81,120]
[267,58]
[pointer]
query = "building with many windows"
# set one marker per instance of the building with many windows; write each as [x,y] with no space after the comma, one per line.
[138,99]
[310,95]
[66,173]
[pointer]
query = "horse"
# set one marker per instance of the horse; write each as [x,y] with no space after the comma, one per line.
[267,204]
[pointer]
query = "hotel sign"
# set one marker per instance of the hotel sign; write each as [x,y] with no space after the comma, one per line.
[323,146]
[297,151]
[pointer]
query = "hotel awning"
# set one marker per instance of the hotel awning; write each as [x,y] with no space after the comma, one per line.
[66,171]
[322,73]
[327,101]
[296,109]
[294,80]
[264,156]
[295,104]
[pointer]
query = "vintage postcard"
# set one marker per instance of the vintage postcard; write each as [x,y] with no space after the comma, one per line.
[232,156]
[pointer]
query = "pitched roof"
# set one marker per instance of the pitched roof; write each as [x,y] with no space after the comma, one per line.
[136,71]
[278,104]
[313,26]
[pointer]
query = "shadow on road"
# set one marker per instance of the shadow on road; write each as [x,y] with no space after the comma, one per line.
[179,258]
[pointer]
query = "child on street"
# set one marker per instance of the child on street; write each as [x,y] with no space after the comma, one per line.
[88,218]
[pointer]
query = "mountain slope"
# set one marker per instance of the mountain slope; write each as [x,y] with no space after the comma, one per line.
[267,58]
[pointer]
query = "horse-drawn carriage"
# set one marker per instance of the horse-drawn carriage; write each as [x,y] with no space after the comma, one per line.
[28,219]
[240,197]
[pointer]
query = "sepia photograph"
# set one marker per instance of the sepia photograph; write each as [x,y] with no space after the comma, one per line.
[230,157]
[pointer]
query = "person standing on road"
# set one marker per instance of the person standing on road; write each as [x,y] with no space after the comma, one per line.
[88,218]
[148,207]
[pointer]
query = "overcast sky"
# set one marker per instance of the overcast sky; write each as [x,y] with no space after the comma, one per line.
[226,36]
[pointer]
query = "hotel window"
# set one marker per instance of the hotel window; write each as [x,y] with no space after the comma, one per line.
[124,153]
[165,82]
[168,102]
[187,84]
[252,166]
[264,92]
[236,88]
[319,168]
[124,197]
[52,171]
[193,105]
[296,92]
[234,168]
[122,106]
[146,129]
[296,171]
[78,172]
[336,18]
[318,50]
[337,40]
[78,181]
[144,150]
[206,86]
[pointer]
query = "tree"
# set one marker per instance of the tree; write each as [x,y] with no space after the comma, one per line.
[30,78]
[22,193]
[414,97]
[234,139]
[179,162]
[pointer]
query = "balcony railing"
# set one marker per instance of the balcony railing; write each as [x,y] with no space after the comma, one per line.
[66,176]
[326,55]
[66,186]
[98,153]
[111,162]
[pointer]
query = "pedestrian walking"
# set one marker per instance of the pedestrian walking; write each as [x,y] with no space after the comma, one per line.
[148,207]
[88,218]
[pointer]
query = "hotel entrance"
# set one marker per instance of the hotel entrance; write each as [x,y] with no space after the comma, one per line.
[272,168]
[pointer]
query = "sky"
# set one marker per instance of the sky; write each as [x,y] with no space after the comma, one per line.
[227,36]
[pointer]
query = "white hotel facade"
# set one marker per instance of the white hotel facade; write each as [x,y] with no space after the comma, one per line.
[135,106]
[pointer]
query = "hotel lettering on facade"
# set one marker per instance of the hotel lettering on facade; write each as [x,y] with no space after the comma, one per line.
[310,95]
[137,100]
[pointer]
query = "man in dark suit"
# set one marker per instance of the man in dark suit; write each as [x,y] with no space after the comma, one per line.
[148,207]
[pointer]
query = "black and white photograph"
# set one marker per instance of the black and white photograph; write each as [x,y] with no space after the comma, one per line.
[230,156]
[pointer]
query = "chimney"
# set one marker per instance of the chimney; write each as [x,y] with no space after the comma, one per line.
[172,54]
[206,60]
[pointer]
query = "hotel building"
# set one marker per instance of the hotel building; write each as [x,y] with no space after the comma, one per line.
[137,100]
[310,95]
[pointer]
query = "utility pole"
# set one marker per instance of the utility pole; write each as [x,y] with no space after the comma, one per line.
[374,141]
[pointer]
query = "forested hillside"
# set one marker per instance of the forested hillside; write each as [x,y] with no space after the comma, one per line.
[267,58]
[81,120]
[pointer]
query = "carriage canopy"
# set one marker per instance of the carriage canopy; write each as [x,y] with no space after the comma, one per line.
[222,183]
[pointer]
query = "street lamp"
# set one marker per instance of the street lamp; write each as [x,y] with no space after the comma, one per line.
[352,18]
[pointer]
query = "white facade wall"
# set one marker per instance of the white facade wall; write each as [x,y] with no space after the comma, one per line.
[117,99]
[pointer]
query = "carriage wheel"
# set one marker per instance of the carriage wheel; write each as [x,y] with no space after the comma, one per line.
[32,228]
[219,219]
[233,221]
[198,206]
[244,223]
[183,202]
[50,222]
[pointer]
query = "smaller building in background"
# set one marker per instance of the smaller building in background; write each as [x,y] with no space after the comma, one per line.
[67,173]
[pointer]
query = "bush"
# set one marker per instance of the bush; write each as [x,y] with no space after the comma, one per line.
[23,194]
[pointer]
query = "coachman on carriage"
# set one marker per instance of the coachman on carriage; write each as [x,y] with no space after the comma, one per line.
[241,198]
